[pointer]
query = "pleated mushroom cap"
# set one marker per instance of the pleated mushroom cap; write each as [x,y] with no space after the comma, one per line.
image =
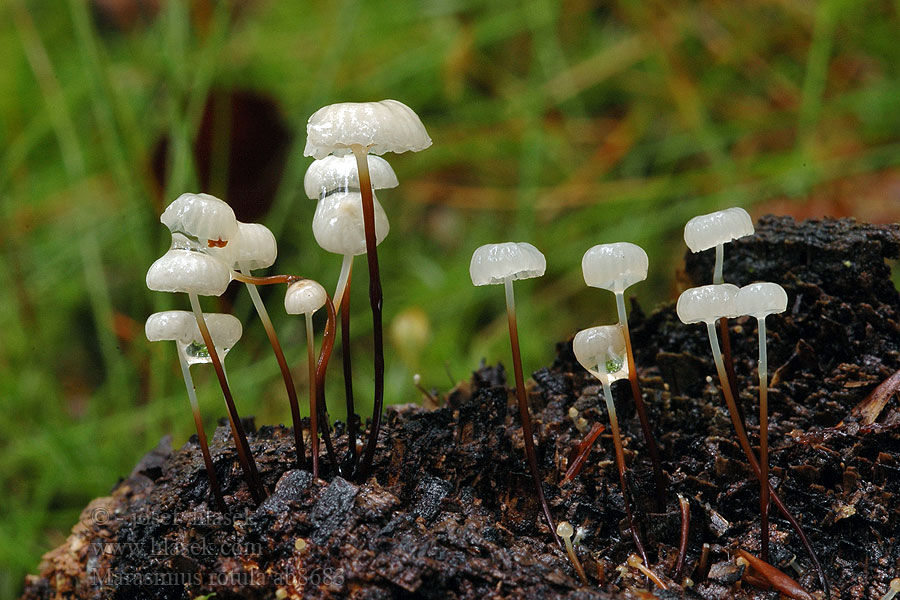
[614,267]
[252,247]
[707,303]
[188,272]
[761,299]
[493,263]
[181,326]
[385,126]
[338,223]
[304,297]
[707,231]
[339,173]
[602,346]
[200,216]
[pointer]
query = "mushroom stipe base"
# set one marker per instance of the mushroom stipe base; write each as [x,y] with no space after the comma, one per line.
[451,482]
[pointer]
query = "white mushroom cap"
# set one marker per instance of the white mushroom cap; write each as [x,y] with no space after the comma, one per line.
[493,263]
[338,223]
[304,297]
[339,173]
[707,303]
[201,216]
[707,231]
[188,272]
[181,326]
[614,267]
[602,346]
[253,247]
[385,126]
[761,299]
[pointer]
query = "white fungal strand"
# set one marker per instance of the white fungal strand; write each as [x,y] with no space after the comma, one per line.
[338,223]
[614,267]
[707,231]
[494,263]
[200,216]
[707,303]
[252,247]
[339,173]
[188,272]
[601,351]
[761,299]
[181,326]
[385,126]
[304,297]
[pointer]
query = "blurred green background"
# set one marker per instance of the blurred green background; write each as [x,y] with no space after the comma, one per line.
[566,124]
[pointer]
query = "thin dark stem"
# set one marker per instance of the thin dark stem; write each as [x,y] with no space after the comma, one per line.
[729,363]
[321,369]
[763,441]
[744,442]
[285,370]
[352,422]
[245,455]
[376,301]
[620,466]
[685,535]
[652,446]
[524,414]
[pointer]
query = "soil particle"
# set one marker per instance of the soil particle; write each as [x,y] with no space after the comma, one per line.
[450,511]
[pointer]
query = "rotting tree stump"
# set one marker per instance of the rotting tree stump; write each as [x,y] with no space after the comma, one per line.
[450,511]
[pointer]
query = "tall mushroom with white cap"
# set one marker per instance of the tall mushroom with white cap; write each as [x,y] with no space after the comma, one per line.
[253,247]
[198,274]
[615,267]
[305,297]
[364,128]
[504,263]
[706,304]
[602,351]
[338,228]
[180,327]
[760,300]
[715,230]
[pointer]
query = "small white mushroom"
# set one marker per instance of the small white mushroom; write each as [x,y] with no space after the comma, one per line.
[339,227]
[305,297]
[361,129]
[179,326]
[252,247]
[339,173]
[201,216]
[503,263]
[601,351]
[759,300]
[188,272]
[385,126]
[716,229]
[614,267]
[506,262]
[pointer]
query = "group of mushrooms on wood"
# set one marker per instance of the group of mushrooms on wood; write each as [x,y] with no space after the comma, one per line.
[210,248]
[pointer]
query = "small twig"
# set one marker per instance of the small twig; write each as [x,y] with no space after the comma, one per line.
[776,578]
[581,452]
[685,535]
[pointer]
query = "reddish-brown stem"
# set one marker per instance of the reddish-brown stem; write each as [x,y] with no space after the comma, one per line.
[352,422]
[685,534]
[313,412]
[524,414]
[321,369]
[581,453]
[652,447]
[729,363]
[776,578]
[620,466]
[268,280]
[744,442]
[285,371]
[375,300]
[245,455]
